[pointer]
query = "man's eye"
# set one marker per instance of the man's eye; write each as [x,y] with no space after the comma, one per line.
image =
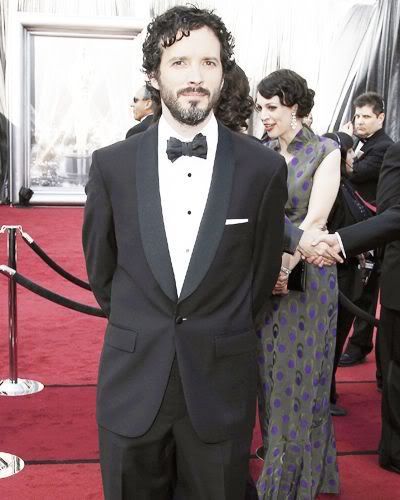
[177,63]
[210,63]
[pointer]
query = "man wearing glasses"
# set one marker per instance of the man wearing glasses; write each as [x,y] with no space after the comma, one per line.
[142,107]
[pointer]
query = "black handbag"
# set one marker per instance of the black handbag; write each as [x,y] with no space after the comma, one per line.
[298,277]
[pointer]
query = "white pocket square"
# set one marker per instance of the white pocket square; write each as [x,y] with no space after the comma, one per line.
[235,221]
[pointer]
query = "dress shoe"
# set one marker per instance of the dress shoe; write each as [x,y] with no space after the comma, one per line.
[389,466]
[337,411]
[351,359]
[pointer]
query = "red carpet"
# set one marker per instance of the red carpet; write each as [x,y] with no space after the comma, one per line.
[55,432]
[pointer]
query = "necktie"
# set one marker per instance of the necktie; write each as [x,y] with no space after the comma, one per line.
[177,148]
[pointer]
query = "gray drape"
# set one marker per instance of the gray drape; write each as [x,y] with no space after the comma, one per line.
[379,69]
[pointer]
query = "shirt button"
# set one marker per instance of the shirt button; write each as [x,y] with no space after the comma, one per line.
[189,175]
[179,320]
[189,212]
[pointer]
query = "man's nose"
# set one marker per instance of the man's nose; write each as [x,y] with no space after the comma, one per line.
[195,74]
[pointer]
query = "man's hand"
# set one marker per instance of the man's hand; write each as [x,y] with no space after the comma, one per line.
[318,249]
[348,128]
[328,244]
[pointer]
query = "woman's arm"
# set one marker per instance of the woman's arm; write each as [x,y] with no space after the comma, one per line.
[323,195]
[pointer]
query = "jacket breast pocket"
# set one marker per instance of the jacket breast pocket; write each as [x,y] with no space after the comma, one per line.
[120,338]
[237,230]
[231,345]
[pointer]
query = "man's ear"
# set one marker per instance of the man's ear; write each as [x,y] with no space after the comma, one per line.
[148,104]
[381,117]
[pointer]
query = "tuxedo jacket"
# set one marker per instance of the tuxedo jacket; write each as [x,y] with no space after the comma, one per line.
[210,327]
[292,236]
[140,127]
[366,168]
[382,229]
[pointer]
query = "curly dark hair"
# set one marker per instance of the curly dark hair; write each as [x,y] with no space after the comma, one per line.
[235,104]
[173,25]
[291,89]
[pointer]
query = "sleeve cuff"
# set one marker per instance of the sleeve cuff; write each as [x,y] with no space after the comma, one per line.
[341,245]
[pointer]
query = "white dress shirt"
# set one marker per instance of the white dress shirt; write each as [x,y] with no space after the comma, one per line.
[184,186]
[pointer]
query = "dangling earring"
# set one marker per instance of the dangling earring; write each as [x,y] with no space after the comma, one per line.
[293,121]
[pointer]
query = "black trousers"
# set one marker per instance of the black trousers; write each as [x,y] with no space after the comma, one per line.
[389,341]
[361,340]
[346,276]
[170,461]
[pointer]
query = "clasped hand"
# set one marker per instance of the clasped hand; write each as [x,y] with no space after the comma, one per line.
[320,248]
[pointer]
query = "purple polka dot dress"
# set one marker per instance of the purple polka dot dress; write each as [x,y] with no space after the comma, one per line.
[296,359]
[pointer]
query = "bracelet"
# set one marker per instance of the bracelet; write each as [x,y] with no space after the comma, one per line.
[285,270]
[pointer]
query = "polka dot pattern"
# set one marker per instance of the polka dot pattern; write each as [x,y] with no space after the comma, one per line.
[298,344]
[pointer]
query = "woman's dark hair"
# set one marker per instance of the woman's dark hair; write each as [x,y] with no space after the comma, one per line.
[291,89]
[235,104]
[345,142]
[173,25]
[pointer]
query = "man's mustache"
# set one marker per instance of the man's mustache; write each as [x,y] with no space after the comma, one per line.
[197,90]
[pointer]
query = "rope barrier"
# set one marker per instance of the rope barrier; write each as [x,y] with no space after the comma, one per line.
[63,301]
[350,306]
[51,263]
[49,295]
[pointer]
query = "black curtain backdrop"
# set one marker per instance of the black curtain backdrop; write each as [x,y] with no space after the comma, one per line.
[379,70]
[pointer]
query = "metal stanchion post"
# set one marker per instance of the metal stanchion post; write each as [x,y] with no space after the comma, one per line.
[14,386]
[10,465]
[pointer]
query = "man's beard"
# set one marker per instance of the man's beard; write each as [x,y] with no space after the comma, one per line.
[192,115]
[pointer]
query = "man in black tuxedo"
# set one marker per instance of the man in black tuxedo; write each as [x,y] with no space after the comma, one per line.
[142,107]
[382,229]
[183,236]
[368,127]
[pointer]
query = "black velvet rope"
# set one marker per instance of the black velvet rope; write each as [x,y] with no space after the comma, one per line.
[93,311]
[346,302]
[55,297]
[58,269]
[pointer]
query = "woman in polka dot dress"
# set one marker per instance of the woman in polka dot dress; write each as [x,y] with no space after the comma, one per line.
[297,341]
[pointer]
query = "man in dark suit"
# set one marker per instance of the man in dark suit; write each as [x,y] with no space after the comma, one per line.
[142,107]
[380,230]
[369,116]
[368,119]
[183,236]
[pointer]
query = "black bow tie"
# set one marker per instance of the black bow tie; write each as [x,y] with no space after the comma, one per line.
[177,148]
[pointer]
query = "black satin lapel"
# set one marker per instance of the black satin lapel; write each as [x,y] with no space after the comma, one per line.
[213,222]
[151,221]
